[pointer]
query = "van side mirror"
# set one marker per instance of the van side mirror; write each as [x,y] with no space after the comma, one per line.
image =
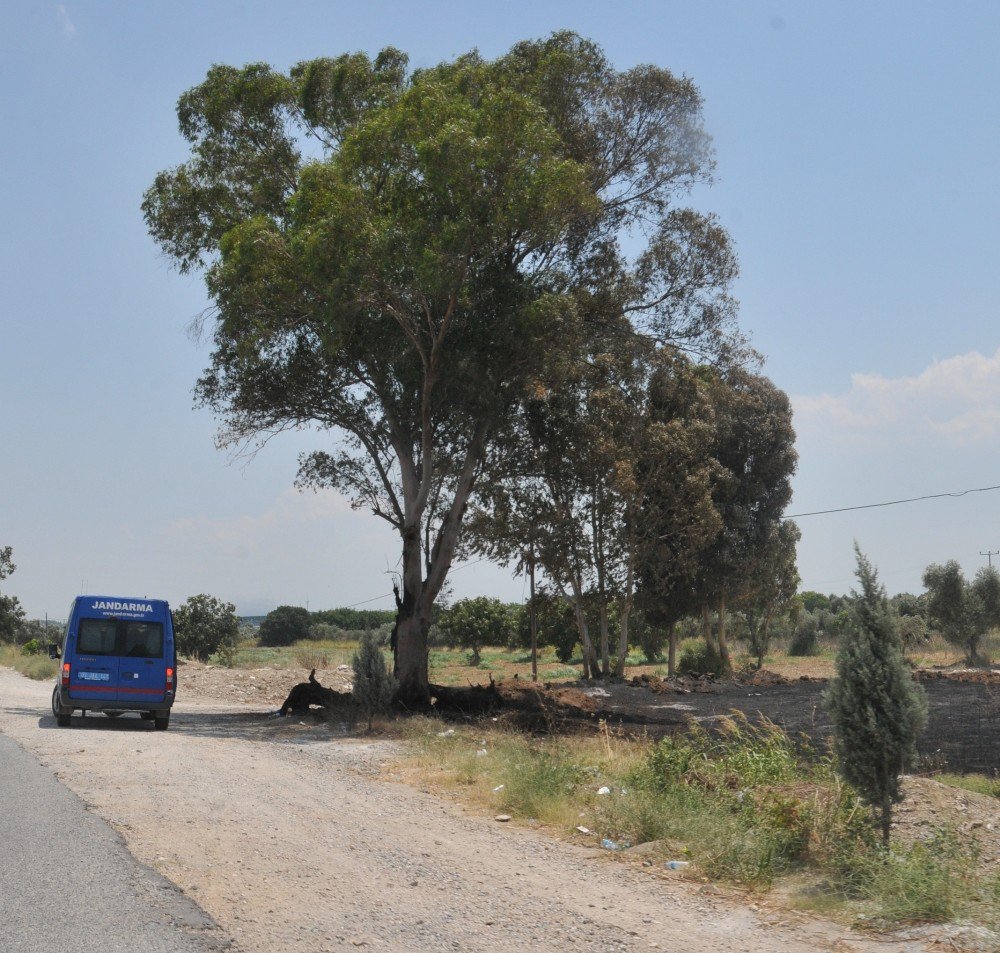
[54,651]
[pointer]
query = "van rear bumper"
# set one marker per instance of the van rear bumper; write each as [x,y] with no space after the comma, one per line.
[88,704]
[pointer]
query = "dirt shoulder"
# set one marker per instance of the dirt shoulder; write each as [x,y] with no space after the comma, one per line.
[288,836]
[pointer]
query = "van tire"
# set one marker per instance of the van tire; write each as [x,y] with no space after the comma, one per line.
[62,718]
[160,722]
[146,715]
[114,714]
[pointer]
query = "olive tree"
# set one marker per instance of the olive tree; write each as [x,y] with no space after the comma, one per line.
[204,626]
[963,611]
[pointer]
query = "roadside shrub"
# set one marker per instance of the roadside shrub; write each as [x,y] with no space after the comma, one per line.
[34,647]
[37,667]
[536,780]
[699,658]
[922,882]
[805,640]
[750,802]
[373,685]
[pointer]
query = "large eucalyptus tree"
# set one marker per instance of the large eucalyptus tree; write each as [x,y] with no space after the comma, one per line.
[394,257]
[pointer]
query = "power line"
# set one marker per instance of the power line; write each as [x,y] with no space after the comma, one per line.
[386,595]
[789,516]
[871,506]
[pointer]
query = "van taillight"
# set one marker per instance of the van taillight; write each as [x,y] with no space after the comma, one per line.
[170,679]
[65,674]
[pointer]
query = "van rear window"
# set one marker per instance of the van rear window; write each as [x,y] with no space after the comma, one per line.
[97,637]
[143,640]
[120,637]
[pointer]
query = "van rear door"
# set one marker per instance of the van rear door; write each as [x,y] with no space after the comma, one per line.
[96,669]
[142,673]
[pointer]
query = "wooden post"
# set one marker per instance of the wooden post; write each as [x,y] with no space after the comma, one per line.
[532,617]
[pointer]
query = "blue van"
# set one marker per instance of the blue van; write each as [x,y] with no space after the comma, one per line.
[117,655]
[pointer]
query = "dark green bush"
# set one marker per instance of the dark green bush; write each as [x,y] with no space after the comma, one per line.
[700,659]
[805,641]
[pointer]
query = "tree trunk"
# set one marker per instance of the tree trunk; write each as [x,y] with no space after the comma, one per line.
[586,645]
[412,625]
[672,649]
[605,640]
[723,644]
[411,660]
[414,617]
[886,819]
[622,652]
[765,637]
[706,629]
[589,659]
[626,614]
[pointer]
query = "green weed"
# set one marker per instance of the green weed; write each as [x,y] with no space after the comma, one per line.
[38,667]
[978,783]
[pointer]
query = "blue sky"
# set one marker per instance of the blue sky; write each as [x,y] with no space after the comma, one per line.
[857,150]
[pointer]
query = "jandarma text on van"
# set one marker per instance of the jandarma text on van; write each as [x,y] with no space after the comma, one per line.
[123,606]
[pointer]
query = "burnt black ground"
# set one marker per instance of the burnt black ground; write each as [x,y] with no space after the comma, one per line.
[963,730]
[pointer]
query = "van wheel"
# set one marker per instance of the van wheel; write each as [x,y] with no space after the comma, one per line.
[146,715]
[160,722]
[62,718]
[114,714]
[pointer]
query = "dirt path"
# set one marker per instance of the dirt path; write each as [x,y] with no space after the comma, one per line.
[285,834]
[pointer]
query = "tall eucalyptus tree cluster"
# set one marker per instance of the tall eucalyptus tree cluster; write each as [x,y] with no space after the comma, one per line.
[427,267]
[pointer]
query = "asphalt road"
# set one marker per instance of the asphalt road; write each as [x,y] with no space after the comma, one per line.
[67,883]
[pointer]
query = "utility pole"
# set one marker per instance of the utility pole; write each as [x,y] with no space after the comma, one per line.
[532,618]
[989,554]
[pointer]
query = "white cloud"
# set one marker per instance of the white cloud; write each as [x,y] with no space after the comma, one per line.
[293,512]
[66,25]
[957,400]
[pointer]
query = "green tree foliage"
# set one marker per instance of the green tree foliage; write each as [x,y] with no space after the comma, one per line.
[963,611]
[204,626]
[770,583]
[11,613]
[285,625]
[373,685]
[35,630]
[400,257]
[877,710]
[556,625]
[815,601]
[354,620]
[754,446]
[473,623]
[805,637]
[677,517]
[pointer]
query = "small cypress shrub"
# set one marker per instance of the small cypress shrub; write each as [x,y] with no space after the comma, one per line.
[877,709]
[373,685]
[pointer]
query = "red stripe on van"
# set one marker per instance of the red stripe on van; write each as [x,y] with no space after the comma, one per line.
[108,689]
